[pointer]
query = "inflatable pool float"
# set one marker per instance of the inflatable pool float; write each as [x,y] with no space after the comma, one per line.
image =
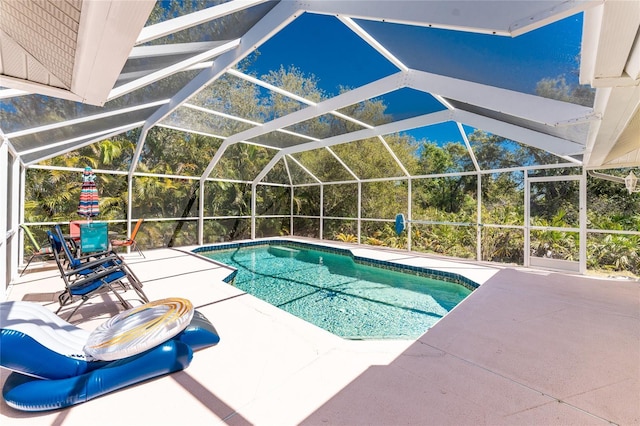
[139,329]
[28,393]
[53,369]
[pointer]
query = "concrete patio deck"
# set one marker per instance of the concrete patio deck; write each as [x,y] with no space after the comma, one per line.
[527,347]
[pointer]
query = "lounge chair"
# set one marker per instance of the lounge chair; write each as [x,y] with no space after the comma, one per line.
[44,251]
[106,259]
[91,278]
[131,241]
[51,368]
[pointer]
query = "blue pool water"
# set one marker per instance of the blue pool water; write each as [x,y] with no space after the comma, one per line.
[332,291]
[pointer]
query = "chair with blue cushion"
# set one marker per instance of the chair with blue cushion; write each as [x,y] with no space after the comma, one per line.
[94,261]
[91,278]
[75,261]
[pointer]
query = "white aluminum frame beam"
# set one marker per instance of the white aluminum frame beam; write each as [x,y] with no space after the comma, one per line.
[293,96]
[482,16]
[180,23]
[94,137]
[220,114]
[277,18]
[377,88]
[195,132]
[281,15]
[244,120]
[234,72]
[307,171]
[342,163]
[552,144]
[157,51]
[549,143]
[84,119]
[172,69]
[350,23]
[530,107]
[286,167]
[394,156]
[4,237]
[335,113]
[397,126]
[5,141]
[464,137]
[544,111]
[384,129]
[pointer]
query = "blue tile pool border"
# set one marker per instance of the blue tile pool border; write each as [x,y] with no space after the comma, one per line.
[384,264]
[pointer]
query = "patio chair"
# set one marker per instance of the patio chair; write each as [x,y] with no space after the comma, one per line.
[74,261]
[85,265]
[131,241]
[74,229]
[91,278]
[44,252]
[86,281]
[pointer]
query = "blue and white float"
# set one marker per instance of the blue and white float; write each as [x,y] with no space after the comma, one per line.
[56,364]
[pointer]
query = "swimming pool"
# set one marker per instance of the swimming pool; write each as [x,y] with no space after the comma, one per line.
[351,297]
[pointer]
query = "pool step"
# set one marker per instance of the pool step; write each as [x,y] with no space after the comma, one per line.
[282,251]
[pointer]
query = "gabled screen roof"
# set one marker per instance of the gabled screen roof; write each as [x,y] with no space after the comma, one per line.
[508,68]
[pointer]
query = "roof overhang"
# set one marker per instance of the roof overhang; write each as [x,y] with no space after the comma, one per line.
[72,50]
[611,64]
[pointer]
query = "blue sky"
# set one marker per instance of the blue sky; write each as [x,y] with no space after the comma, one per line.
[323,46]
